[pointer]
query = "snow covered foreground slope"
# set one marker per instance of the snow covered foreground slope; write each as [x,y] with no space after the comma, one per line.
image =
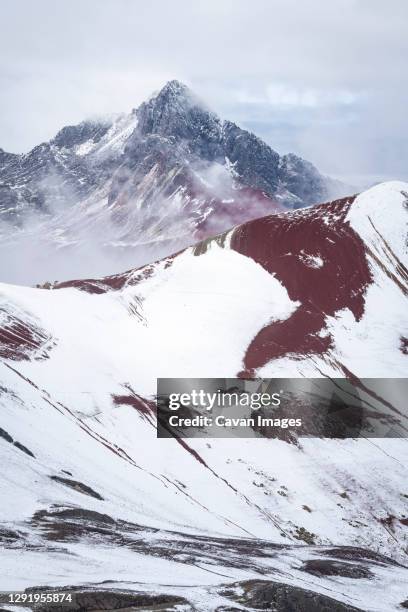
[88,494]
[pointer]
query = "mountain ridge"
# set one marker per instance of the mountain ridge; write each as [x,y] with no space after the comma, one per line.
[293,294]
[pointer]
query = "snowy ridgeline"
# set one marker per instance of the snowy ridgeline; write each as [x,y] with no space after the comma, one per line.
[89,494]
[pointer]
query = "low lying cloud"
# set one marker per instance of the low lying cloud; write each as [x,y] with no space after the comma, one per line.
[72,238]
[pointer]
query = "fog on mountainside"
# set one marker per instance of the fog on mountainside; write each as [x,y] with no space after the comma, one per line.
[111,194]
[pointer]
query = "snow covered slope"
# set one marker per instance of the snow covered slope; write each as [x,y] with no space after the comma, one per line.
[90,495]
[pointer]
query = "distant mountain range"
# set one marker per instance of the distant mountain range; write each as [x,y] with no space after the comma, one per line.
[127,190]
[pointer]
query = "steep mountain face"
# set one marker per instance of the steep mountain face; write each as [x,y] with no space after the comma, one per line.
[176,114]
[94,500]
[127,190]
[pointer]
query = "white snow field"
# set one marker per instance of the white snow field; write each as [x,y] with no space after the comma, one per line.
[89,494]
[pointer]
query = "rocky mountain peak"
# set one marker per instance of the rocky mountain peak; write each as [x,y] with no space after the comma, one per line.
[177,115]
[176,89]
[175,94]
[171,145]
[175,111]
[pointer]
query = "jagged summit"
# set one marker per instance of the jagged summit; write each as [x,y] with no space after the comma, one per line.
[175,88]
[176,93]
[175,111]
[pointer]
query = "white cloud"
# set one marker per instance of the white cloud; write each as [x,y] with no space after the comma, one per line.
[280,94]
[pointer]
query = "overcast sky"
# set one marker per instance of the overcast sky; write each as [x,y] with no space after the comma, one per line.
[325,79]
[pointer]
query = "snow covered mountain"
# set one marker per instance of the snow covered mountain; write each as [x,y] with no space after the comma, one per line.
[113,193]
[90,497]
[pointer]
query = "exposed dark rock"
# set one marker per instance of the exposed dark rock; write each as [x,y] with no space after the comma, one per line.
[305,535]
[78,486]
[73,135]
[75,514]
[24,449]
[353,553]
[86,600]
[178,116]
[96,529]
[301,178]
[8,536]
[255,162]
[6,436]
[329,567]
[7,158]
[279,597]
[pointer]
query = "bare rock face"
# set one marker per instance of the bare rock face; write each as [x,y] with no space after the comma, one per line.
[265,595]
[301,178]
[177,114]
